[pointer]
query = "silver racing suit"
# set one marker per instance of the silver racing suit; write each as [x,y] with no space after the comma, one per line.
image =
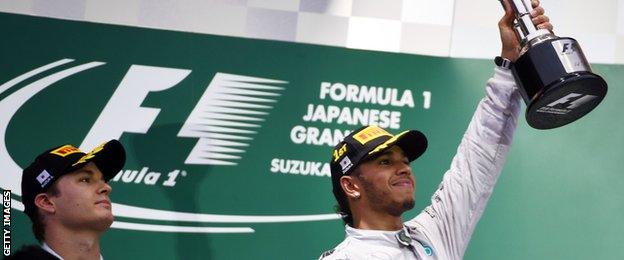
[443,229]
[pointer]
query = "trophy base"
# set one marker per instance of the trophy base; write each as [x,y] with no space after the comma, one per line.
[566,100]
[556,83]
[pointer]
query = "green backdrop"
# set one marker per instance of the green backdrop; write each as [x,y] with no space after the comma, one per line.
[559,196]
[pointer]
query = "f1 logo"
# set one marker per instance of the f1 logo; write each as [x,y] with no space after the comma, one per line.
[572,100]
[567,48]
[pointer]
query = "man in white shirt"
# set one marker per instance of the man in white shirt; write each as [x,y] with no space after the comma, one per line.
[66,196]
[374,185]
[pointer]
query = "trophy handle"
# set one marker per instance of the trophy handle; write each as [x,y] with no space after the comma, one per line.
[522,9]
[526,32]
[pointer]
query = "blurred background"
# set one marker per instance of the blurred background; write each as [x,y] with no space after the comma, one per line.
[461,29]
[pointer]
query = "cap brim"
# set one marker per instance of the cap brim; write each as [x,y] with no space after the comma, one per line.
[412,142]
[109,160]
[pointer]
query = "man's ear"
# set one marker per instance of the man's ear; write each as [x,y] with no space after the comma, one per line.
[43,202]
[351,187]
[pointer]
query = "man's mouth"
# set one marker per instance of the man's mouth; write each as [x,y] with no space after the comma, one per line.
[403,183]
[104,202]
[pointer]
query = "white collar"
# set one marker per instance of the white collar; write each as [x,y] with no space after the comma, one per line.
[49,250]
[374,235]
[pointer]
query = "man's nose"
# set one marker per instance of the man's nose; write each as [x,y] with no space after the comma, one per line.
[105,189]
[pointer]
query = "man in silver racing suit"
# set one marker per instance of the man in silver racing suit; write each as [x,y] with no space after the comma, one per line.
[374,185]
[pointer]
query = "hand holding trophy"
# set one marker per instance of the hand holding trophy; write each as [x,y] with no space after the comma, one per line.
[552,73]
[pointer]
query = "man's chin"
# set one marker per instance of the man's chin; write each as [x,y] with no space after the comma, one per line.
[397,209]
[105,222]
[408,204]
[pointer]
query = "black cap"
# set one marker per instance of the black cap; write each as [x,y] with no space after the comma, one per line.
[368,141]
[49,166]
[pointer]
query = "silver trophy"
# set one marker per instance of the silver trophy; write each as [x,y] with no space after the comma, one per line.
[554,77]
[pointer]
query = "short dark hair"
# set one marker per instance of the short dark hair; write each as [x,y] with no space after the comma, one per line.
[38,227]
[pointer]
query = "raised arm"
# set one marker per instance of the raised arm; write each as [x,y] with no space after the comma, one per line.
[458,203]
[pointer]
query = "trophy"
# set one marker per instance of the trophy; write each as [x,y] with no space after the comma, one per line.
[552,73]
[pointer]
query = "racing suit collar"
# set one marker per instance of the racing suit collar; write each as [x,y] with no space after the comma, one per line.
[377,236]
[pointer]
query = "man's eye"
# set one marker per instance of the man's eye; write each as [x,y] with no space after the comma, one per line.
[384,162]
[85,179]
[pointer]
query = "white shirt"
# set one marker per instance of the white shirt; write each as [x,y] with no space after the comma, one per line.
[49,250]
[443,229]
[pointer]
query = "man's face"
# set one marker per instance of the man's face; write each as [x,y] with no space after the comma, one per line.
[82,201]
[388,183]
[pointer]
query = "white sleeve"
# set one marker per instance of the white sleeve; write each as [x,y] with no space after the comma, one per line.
[458,203]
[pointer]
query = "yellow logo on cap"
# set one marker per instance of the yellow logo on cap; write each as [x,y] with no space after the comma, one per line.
[90,154]
[339,152]
[65,150]
[370,133]
[387,142]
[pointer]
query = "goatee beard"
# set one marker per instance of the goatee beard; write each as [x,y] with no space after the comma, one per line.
[408,204]
[400,208]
